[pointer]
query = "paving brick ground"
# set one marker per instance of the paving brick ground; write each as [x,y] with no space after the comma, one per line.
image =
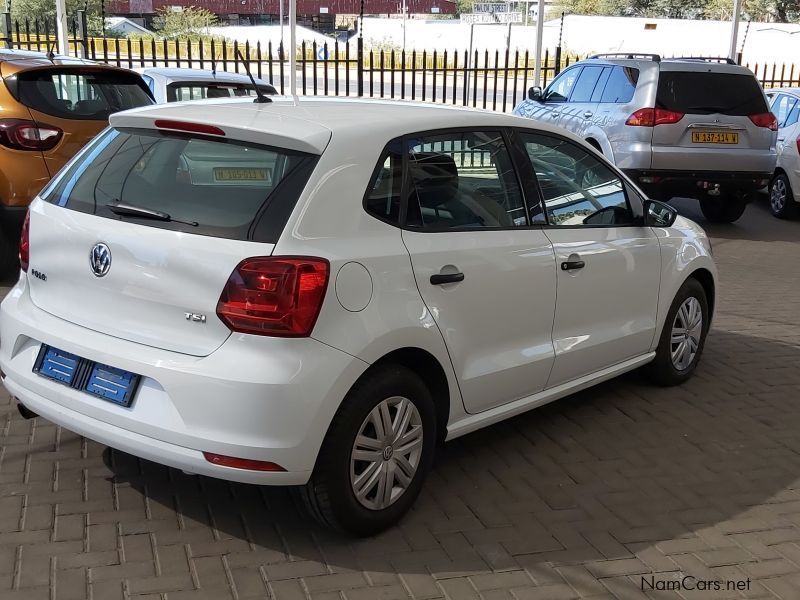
[618,492]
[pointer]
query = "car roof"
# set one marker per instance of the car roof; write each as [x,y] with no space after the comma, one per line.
[175,74]
[794,91]
[307,124]
[23,59]
[714,65]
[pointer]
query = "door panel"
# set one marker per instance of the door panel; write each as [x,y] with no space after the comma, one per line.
[606,311]
[608,267]
[487,279]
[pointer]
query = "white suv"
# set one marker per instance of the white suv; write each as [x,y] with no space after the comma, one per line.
[316,293]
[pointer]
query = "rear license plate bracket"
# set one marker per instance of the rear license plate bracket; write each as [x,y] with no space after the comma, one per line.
[103,381]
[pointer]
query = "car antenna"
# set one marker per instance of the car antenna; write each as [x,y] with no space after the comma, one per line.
[261,97]
[50,54]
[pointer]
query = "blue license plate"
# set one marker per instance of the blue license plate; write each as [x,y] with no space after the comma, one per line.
[106,382]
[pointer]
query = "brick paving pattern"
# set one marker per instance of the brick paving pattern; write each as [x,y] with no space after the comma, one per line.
[606,494]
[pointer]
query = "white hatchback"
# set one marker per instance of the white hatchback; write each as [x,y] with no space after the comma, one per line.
[784,188]
[315,293]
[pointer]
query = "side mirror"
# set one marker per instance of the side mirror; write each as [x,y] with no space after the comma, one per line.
[535,93]
[658,214]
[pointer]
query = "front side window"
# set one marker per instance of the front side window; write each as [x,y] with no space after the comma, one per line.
[86,94]
[577,188]
[462,180]
[560,89]
[584,87]
[207,186]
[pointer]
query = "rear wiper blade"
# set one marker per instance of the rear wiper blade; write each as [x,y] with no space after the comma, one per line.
[129,210]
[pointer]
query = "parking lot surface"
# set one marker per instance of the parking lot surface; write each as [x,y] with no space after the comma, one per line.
[622,491]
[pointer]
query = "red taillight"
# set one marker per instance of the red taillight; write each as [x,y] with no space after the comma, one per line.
[25,243]
[797,141]
[650,117]
[241,463]
[189,127]
[21,134]
[278,296]
[766,119]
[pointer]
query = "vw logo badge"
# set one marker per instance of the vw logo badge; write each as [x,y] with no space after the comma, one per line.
[100,259]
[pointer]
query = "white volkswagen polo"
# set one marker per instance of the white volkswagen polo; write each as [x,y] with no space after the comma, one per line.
[315,293]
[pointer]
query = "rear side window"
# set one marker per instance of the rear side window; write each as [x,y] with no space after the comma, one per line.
[178,92]
[207,186]
[86,94]
[782,107]
[703,93]
[621,85]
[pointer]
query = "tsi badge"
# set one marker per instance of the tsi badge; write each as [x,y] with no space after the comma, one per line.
[100,259]
[195,317]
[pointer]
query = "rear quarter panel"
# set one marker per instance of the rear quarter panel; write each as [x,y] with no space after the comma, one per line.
[330,221]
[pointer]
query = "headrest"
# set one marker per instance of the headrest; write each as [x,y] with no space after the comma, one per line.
[432,167]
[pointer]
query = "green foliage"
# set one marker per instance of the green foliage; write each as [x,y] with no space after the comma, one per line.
[781,11]
[45,10]
[190,23]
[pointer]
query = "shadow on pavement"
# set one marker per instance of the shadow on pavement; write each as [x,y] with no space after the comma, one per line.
[757,223]
[605,473]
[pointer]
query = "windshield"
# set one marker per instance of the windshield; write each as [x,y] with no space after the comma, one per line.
[86,94]
[207,186]
[179,92]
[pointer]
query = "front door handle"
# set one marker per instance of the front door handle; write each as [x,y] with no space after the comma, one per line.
[588,114]
[442,278]
[572,265]
[555,114]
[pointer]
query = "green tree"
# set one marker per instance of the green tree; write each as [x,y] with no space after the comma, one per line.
[45,10]
[191,22]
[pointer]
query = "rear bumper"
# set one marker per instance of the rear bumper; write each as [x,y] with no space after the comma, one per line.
[266,399]
[666,184]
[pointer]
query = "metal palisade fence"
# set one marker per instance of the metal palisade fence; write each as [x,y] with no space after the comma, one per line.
[495,79]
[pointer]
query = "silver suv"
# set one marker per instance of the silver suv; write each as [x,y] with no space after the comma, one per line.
[683,127]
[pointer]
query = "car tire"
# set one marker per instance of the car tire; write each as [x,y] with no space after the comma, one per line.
[781,198]
[674,363]
[723,209]
[9,256]
[330,494]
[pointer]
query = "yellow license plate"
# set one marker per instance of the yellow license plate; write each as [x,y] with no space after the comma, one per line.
[233,174]
[714,137]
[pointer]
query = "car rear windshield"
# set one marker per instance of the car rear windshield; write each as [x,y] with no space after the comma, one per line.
[207,186]
[178,92]
[699,93]
[86,94]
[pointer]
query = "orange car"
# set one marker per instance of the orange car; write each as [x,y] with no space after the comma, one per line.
[50,107]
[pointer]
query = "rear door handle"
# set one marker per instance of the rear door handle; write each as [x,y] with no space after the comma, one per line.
[588,114]
[442,278]
[572,265]
[555,114]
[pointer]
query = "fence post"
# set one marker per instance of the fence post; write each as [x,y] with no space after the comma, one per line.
[82,42]
[7,29]
[558,61]
[360,66]
[738,58]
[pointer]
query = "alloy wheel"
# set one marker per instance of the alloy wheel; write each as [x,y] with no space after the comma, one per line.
[386,453]
[777,195]
[687,329]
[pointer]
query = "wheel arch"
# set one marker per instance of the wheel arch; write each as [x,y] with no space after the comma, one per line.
[706,279]
[432,373]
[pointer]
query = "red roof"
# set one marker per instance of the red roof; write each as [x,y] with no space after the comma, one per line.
[267,7]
